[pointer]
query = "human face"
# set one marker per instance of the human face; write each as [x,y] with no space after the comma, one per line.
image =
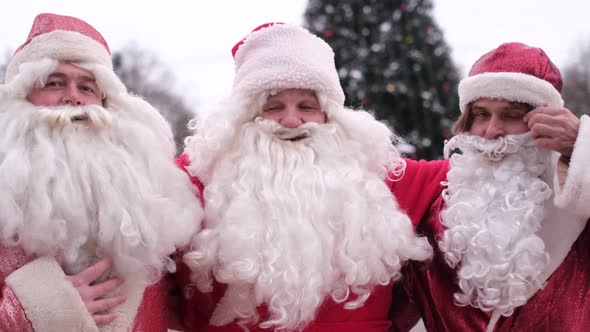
[494,118]
[293,107]
[67,84]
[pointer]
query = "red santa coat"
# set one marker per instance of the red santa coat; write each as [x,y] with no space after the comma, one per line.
[37,297]
[562,305]
[373,316]
[427,289]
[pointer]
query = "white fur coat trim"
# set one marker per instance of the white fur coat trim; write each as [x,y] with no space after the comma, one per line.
[508,86]
[575,194]
[60,45]
[50,302]
[126,311]
[559,230]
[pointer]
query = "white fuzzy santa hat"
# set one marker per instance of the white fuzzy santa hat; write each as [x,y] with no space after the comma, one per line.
[513,72]
[56,38]
[277,56]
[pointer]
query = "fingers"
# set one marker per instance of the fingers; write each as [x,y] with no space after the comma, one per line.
[553,116]
[552,111]
[91,273]
[101,289]
[60,257]
[102,319]
[93,293]
[105,304]
[544,130]
[555,144]
[548,119]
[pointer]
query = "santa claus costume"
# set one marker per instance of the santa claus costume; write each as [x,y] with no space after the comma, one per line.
[299,235]
[82,183]
[511,239]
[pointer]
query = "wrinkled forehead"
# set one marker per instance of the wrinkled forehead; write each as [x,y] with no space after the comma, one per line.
[73,71]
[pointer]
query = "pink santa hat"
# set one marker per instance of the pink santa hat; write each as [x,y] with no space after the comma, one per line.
[278,56]
[513,72]
[62,38]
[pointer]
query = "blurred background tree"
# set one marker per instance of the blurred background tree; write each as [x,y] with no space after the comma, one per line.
[576,86]
[393,60]
[144,75]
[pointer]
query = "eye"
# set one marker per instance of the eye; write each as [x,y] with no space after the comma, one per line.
[480,114]
[87,88]
[53,83]
[271,108]
[309,107]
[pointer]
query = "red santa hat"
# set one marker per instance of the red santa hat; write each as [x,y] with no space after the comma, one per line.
[277,56]
[62,38]
[513,72]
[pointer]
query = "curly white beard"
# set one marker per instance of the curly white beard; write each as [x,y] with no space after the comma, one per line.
[289,224]
[495,204]
[105,186]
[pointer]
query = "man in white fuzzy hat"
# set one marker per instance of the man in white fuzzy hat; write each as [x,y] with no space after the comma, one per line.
[92,202]
[512,242]
[301,230]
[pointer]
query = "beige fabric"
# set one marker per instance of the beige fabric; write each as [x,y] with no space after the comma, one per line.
[50,302]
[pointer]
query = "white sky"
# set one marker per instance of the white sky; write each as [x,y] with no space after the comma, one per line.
[194,38]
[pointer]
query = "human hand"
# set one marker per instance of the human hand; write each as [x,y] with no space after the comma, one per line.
[554,128]
[92,293]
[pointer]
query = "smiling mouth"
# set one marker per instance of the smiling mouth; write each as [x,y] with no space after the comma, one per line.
[297,138]
[293,136]
[79,117]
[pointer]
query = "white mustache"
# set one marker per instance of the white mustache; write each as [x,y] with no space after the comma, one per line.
[292,134]
[491,149]
[62,116]
[288,134]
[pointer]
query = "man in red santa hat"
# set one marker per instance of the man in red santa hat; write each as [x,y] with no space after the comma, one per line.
[88,186]
[301,231]
[510,228]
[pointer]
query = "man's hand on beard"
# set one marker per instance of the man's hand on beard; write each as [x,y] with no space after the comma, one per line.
[93,292]
[554,128]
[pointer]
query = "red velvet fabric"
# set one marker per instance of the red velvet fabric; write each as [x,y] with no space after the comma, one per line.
[427,291]
[12,314]
[152,315]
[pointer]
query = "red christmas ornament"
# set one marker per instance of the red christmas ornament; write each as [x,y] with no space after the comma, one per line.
[328,33]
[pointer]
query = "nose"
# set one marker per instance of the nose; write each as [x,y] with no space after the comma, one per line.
[71,96]
[291,118]
[495,128]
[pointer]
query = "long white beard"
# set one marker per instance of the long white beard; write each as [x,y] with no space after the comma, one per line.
[495,200]
[289,224]
[105,187]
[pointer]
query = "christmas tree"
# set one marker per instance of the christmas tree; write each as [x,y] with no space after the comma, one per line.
[392,60]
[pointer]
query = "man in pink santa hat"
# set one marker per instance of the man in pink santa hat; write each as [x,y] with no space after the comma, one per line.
[512,244]
[301,230]
[92,202]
